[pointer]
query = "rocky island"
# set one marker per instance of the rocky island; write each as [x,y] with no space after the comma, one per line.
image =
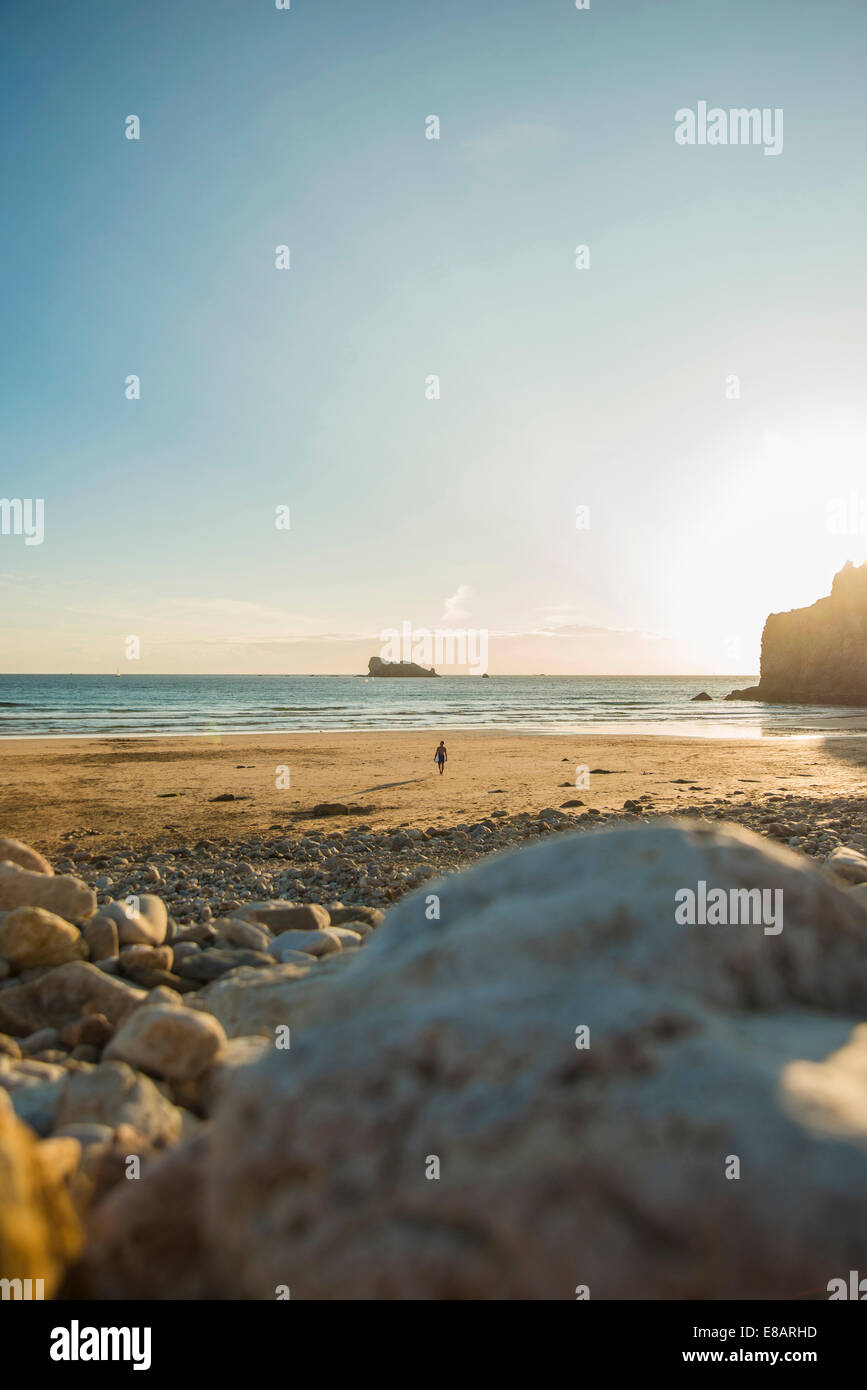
[377,667]
[817,655]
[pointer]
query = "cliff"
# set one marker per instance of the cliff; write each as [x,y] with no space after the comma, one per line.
[377,667]
[817,655]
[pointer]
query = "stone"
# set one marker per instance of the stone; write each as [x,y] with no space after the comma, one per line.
[848,863]
[251,1001]
[210,965]
[145,926]
[173,1044]
[63,894]
[133,958]
[14,852]
[858,894]
[60,1157]
[93,1029]
[281,917]
[154,911]
[314,943]
[234,933]
[40,1233]
[31,936]
[105,1165]
[702,695]
[100,934]
[62,995]
[606,1166]
[86,1134]
[151,1230]
[113,1094]
[35,1069]
[184,949]
[237,1055]
[164,995]
[348,916]
[288,957]
[346,936]
[40,1040]
[36,1104]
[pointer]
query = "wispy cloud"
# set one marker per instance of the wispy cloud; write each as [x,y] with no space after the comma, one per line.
[455,607]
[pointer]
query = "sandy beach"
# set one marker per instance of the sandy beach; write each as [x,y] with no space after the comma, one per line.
[161,790]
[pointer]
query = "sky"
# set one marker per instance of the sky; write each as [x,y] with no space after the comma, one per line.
[697,388]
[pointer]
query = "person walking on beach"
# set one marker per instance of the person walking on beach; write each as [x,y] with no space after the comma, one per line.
[440,757]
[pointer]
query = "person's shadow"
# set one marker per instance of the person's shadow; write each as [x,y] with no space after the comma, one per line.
[384,786]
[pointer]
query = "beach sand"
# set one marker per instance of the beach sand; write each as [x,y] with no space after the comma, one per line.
[159,790]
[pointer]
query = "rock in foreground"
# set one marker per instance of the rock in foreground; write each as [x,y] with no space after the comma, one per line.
[434,1131]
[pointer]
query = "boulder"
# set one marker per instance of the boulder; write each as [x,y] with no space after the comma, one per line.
[236,1057]
[455,1040]
[314,943]
[256,1002]
[64,894]
[173,1044]
[551,1085]
[848,863]
[231,932]
[162,1231]
[100,933]
[31,936]
[114,1094]
[144,925]
[210,965]
[279,916]
[39,1230]
[62,995]
[14,852]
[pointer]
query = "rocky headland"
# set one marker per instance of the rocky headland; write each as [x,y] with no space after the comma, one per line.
[817,655]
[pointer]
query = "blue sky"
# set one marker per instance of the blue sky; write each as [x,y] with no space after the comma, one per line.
[602,387]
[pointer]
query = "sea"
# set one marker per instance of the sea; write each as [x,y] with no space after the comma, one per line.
[55,706]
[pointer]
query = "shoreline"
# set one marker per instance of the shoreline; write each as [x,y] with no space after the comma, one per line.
[672,729]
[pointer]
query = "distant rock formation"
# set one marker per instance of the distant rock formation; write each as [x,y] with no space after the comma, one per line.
[377,667]
[817,655]
[703,695]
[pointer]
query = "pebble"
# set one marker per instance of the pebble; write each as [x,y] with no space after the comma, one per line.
[314,943]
